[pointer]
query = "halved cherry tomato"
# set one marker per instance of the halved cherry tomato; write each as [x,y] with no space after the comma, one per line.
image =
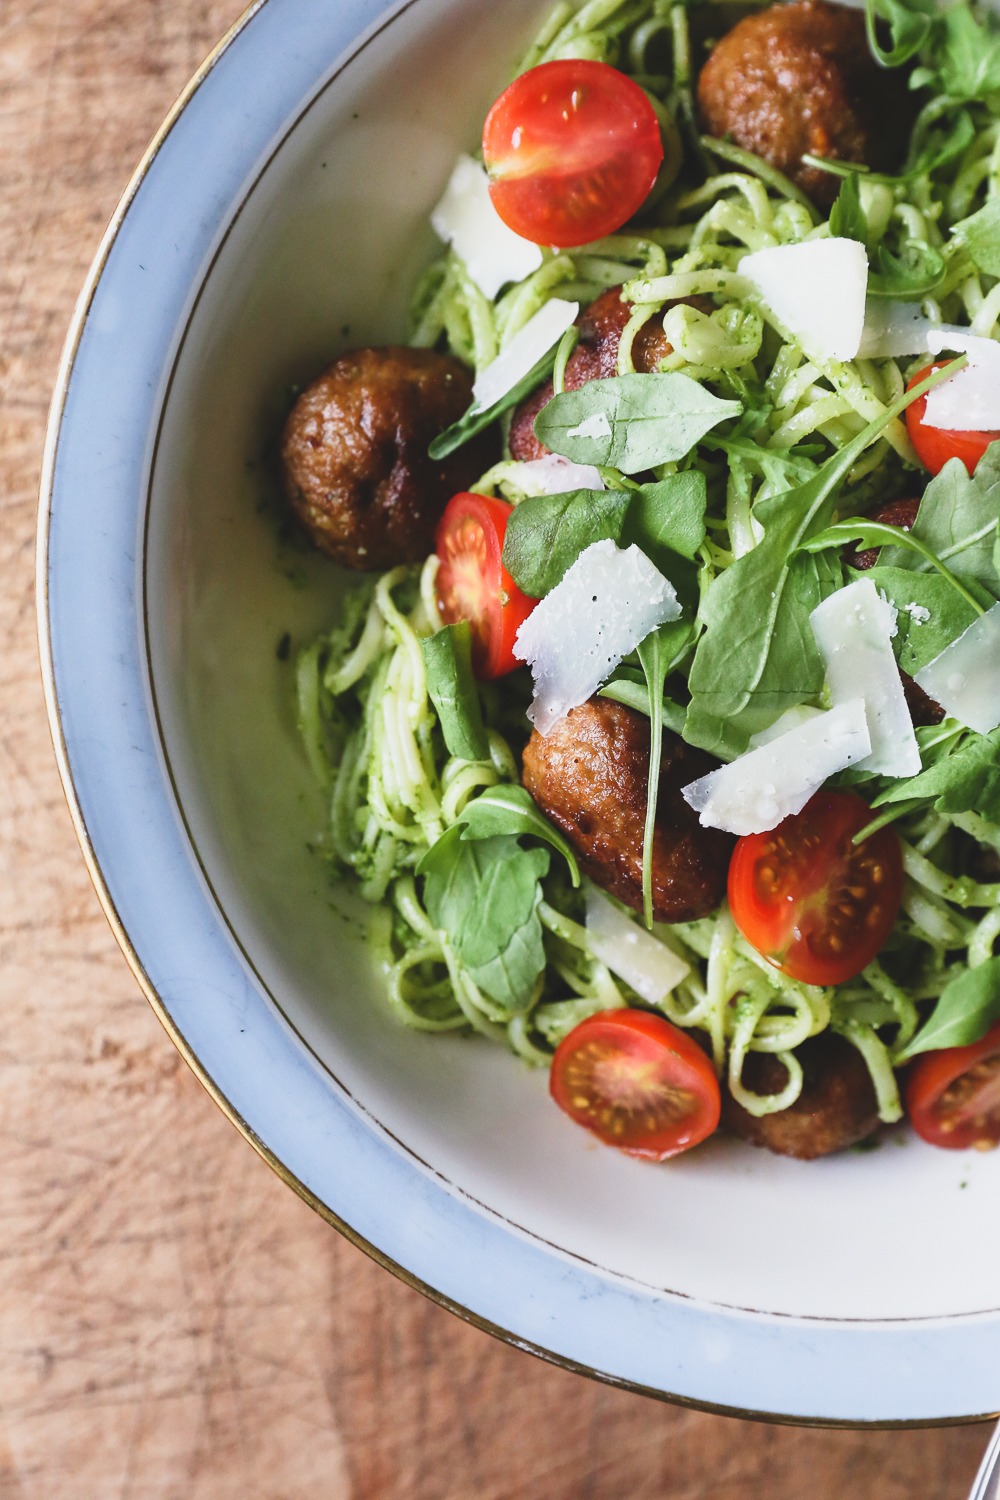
[817,906]
[935,445]
[637,1083]
[572,149]
[474,585]
[953,1097]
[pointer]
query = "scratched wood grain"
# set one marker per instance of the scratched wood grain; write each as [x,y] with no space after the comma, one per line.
[174,1323]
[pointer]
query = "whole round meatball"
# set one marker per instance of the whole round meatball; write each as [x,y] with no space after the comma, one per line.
[836,1108]
[595,357]
[797,79]
[589,776]
[357,472]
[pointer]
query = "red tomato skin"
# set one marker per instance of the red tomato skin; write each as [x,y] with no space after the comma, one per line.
[935,445]
[473,584]
[929,1079]
[787,925]
[622,1037]
[573,148]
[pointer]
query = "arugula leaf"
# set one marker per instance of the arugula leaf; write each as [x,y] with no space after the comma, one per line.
[920,639]
[957,521]
[631,422]
[980,234]
[757,656]
[939,148]
[912,275]
[484,895]
[908,30]
[509,809]
[655,654]
[546,534]
[452,688]
[859,532]
[967,780]
[478,418]
[669,515]
[965,1011]
[968,54]
[847,217]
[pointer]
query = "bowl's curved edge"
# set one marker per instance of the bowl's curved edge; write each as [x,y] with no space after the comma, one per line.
[102,889]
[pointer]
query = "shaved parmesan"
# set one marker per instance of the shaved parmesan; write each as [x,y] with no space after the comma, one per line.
[965,678]
[968,401]
[555,475]
[816,290]
[607,603]
[792,718]
[649,966]
[466,219]
[854,628]
[757,790]
[524,351]
[893,329]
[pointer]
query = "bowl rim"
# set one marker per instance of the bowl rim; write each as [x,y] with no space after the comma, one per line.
[386,12]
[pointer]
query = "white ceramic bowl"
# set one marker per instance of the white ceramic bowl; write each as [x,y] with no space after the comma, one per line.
[279,217]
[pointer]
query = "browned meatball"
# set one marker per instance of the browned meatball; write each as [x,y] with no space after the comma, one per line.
[797,79]
[836,1108]
[589,775]
[595,357]
[357,473]
[902,513]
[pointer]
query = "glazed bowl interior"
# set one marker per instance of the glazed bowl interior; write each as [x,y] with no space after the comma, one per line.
[323,255]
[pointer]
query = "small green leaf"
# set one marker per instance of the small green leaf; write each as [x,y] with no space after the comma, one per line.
[913,274]
[546,534]
[980,234]
[968,56]
[485,895]
[631,422]
[965,1011]
[966,780]
[509,809]
[847,217]
[668,516]
[655,654]
[908,28]
[860,533]
[957,523]
[452,688]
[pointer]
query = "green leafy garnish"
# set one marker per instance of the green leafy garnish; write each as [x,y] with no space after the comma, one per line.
[484,896]
[546,534]
[509,809]
[980,234]
[655,655]
[967,780]
[668,516]
[908,29]
[452,689]
[859,532]
[957,523]
[631,422]
[965,1011]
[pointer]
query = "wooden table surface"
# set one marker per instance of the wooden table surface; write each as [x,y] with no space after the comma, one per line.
[174,1323]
